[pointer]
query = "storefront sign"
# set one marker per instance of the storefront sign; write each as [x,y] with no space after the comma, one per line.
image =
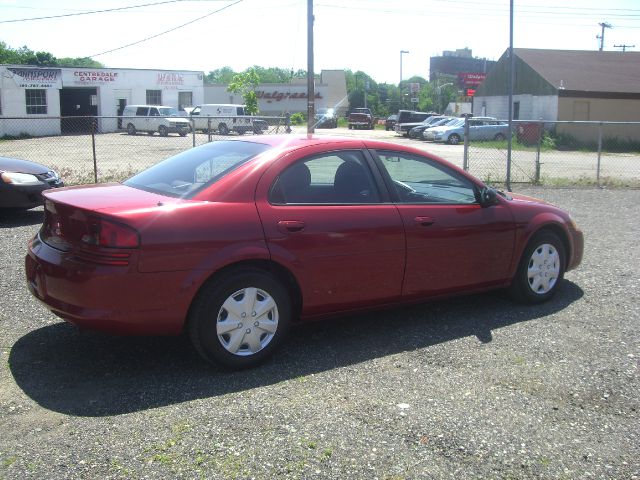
[93,77]
[37,77]
[170,80]
[279,96]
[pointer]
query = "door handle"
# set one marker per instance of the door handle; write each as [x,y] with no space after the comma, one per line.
[424,221]
[291,226]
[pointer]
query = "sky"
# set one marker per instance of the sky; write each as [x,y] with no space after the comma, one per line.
[366,35]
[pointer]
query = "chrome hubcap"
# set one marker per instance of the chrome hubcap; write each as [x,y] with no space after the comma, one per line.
[543,269]
[247,321]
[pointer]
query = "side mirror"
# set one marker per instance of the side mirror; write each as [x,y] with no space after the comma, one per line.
[487,197]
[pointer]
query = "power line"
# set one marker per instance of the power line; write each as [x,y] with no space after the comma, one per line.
[91,12]
[166,31]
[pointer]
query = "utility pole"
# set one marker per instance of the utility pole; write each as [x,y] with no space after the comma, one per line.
[624,47]
[310,76]
[601,36]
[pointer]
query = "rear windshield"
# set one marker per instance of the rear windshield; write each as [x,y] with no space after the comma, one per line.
[187,173]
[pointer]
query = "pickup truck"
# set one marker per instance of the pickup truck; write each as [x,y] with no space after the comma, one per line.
[360,118]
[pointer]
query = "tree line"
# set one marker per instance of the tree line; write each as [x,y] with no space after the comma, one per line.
[383,99]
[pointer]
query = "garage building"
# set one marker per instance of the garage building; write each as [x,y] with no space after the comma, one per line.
[42,101]
[567,85]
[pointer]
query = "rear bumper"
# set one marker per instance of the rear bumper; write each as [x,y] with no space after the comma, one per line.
[112,299]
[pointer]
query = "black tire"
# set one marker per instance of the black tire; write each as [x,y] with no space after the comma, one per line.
[150,133]
[163,131]
[454,139]
[499,137]
[545,245]
[182,134]
[131,130]
[207,313]
[223,129]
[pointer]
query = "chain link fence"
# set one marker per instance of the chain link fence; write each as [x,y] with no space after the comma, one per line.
[560,153]
[104,149]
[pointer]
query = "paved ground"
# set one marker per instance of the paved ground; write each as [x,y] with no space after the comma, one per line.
[473,388]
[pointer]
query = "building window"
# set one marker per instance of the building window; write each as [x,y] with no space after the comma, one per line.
[185,99]
[516,110]
[154,97]
[36,101]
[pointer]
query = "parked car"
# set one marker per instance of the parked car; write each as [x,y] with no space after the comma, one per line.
[360,118]
[22,183]
[234,240]
[418,130]
[225,118]
[326,117]
[390,122]
[480,128]
[154,118]
[407,119]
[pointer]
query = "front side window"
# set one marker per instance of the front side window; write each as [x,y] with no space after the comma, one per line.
[332,178]
[187,173]
[421,180]
[36,101]
[154,97]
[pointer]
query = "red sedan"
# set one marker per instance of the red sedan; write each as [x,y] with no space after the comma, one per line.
[234,240]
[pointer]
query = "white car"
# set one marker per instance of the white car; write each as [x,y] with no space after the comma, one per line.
[154,118]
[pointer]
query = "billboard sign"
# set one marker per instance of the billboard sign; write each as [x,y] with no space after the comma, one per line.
[469,79]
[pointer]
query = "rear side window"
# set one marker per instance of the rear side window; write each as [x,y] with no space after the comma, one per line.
[187,173]
[332,178]
[142,111]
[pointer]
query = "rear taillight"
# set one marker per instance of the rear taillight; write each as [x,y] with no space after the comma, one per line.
[104,233]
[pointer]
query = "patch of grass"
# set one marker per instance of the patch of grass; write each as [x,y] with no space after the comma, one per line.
[7,462]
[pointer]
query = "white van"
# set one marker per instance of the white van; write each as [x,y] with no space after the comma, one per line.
[154,118]
[223,118]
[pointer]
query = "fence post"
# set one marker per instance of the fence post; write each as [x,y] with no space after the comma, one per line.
[599,153]
[93,145]
[465,159]
[540,134]
[193,131]
[209,129]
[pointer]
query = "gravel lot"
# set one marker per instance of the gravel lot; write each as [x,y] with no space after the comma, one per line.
[475,388]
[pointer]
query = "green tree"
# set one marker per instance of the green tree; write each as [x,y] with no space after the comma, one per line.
[222,75]
[245,84]
[84,62]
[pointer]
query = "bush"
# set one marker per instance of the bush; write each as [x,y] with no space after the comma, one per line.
[298,119]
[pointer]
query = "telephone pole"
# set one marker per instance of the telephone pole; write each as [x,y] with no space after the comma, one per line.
[624,47]
[601,36]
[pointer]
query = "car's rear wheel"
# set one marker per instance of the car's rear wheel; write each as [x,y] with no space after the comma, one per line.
[499,137]
[163,131]
[223,129]
[541,269]
[131,130]
[454,139]
[150,133]
[240,319]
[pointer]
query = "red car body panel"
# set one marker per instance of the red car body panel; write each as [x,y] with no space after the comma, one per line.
[342,257]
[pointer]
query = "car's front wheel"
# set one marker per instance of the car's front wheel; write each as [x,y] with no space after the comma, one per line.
[454,139]
[240,319]
[541,269]
[131,130]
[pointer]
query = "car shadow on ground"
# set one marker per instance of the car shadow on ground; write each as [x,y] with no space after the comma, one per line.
[21,218]
[90,374]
